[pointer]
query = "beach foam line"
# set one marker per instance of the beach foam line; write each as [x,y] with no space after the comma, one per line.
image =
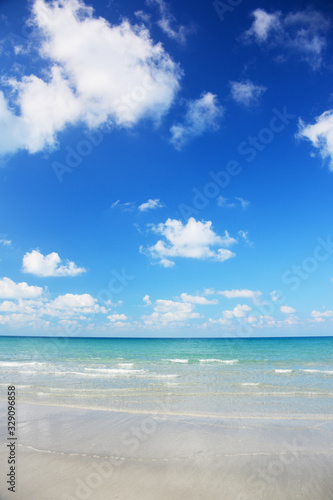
[223,361]
[284,371]
[125,365]
[327,417]
[13,364]
[123,370]
[327,372]
[178,360]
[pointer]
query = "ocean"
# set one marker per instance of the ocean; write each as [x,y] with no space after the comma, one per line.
[195,376]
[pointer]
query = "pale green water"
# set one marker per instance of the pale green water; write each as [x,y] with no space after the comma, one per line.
[211,376]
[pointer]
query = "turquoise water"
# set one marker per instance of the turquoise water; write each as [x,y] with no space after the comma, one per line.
[196,376]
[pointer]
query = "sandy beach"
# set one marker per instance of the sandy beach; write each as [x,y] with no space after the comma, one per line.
[71,453]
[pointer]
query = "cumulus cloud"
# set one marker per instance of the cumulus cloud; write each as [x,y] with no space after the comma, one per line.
[94,73]
[197,299]
[117,317]
[247,93]
[302,33]
[169,311]
[146,300]
[287,310]
[11,290]
[320,134]
[194,240]
[244,294]
[150,205]
[320,316]
[168,22]
[202,115]
[49,265]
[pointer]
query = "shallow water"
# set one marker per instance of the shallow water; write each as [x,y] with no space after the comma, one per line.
[210,376]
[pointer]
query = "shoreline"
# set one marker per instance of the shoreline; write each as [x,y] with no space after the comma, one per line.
[71,453]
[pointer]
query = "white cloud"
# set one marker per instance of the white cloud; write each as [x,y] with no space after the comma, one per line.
[49,265]
[244,294]
[169,311]
[196,299]
[117,317]
[263,24]
[320,316]
[246,93]
[94,73]
[287,310]
[167,22]
[150,205]
[238,311]
[5,242]
[11,290]
[191,240]
[320,134]
[147,300]
[301,33]
[72,301]
[202,115]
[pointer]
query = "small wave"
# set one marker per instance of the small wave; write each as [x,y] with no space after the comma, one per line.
[125,365]
[329,372]
[283,371]
[163,375]
[21,364]
[177,360]
[114,370]
[250,383]
[102,373]
[223,361]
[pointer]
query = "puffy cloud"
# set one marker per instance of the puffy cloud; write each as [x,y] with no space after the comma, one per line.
[195,299]
[320,316]
[287,310]
[202,115]
[263,24]
[301,33]
[191,240]
[169,311]
[72,301]
[246,93]
[11,290]
[238,311]
[49,265]
[150,205]
[167,22]
[320,134]
[117,317]
[147,300]
[94,73]
[244,294]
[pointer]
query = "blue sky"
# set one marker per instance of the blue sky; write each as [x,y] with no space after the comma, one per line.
[166,168]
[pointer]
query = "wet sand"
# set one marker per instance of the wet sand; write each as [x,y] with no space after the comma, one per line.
[69,453]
